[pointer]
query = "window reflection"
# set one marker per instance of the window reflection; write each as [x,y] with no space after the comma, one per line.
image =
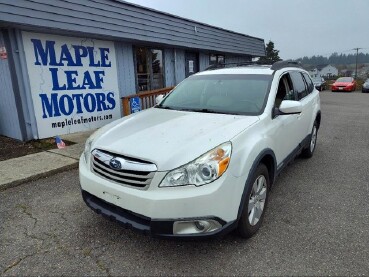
[216,59]
[149,64]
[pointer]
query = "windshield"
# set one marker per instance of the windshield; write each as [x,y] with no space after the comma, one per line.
[344,79]
[220,93]
[317,79]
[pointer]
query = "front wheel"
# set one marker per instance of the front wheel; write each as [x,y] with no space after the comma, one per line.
[255,204]
[309,151]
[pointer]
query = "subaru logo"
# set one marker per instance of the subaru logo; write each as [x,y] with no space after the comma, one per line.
[115,164]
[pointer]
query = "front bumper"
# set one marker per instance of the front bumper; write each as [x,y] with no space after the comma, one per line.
[145,225]
[343,89]
[154,210]
[365,90]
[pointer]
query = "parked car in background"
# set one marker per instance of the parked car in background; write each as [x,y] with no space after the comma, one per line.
[365,87]
[344,84]
[319,83]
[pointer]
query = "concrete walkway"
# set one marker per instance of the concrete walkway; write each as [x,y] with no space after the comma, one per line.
[16,171]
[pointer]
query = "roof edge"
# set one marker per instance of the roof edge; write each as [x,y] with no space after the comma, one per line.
[183,18]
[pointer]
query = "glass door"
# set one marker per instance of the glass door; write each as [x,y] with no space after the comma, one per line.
[149,69]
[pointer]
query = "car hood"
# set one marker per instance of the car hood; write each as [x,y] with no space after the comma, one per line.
[170,138]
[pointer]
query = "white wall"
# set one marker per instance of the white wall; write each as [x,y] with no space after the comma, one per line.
[328,71]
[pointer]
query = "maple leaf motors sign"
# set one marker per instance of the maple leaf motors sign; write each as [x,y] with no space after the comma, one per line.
[73,83]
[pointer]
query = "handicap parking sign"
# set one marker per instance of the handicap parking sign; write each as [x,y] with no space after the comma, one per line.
[135,104]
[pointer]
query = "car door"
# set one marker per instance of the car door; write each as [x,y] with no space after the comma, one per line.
[303,90]
[284,127]
[311,102]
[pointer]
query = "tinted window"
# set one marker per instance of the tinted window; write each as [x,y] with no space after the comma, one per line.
[284,91]
[229,94]
[149,69]
[299,85]
[309,83]
[215,59]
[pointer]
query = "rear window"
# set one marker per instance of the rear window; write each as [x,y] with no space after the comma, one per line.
[308,82]
[299,84]
[344,79]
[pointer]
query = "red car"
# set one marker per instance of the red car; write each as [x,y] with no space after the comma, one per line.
[344,84]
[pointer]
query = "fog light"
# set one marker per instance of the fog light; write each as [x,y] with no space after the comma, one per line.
[195,227]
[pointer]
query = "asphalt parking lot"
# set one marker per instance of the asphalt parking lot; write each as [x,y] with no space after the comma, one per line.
[317,222]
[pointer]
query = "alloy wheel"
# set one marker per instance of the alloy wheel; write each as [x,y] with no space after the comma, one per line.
[257,200]
[313,139]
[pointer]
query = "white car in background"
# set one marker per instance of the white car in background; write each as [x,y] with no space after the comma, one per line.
[202,162]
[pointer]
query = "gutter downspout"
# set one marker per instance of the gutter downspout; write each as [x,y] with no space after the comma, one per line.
[175,67]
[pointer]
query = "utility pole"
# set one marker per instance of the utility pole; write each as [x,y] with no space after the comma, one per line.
[357,54]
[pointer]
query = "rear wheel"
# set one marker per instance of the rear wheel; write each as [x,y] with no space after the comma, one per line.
[309,150]
[255,204]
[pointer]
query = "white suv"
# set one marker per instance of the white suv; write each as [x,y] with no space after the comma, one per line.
[202,161]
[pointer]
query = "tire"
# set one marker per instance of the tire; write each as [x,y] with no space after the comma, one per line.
[255,203]
[309,151]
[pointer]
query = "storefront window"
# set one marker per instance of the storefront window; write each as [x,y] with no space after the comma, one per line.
[215,59]
[149,64]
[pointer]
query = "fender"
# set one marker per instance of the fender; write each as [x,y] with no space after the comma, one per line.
[255,164]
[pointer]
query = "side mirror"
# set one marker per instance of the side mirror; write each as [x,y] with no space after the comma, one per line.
[289,107]
[159,98]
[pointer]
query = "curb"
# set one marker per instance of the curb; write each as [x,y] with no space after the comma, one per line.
[39,176]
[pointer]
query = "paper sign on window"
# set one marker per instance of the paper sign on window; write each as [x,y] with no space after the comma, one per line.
[190,67]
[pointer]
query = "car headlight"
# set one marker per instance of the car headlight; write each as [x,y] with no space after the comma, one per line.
[201,171]
[87,151]
[89,141]
[366,85]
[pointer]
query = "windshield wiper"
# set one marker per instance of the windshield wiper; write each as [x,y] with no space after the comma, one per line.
[165,107]
[205,111]
[195,110]
[208,111]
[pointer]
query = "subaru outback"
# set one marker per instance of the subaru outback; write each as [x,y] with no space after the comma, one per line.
[203,160]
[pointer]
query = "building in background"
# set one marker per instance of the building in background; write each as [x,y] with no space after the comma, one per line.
[324,70]
[64,65]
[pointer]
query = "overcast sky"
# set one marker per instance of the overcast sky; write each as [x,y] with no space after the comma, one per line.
[297,27]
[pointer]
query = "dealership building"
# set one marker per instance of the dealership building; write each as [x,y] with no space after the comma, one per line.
[66,64]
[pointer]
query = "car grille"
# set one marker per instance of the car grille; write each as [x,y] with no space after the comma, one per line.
[121,169]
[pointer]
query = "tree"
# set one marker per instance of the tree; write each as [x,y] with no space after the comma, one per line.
[271,54]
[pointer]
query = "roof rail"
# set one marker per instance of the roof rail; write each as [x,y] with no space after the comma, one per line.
[224,65]
[283,64]
[274,66]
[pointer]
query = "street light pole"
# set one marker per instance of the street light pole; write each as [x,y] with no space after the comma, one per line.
[357,54]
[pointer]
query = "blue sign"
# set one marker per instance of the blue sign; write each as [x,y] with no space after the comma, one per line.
[135,104]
